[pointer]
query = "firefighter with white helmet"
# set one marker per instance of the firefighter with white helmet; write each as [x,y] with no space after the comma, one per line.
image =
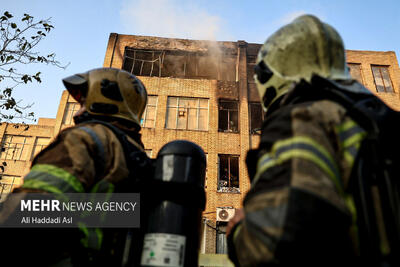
[297,211]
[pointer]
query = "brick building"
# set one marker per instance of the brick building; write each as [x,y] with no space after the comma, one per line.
[200,91]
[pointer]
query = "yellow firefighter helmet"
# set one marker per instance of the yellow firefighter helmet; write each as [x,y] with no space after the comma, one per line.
[109,92]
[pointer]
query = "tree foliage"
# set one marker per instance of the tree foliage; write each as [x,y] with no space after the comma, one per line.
[18,47]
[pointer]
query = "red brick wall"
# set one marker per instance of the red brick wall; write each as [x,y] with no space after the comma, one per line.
[368,58]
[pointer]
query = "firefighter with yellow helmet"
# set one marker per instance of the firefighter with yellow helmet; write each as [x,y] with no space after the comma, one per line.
[85,158]
[297,212]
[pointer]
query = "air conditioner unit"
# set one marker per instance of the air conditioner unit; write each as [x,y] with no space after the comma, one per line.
[224,214]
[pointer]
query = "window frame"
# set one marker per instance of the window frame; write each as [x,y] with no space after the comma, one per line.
[14,177]
[10,185]
[256,130]
[159,57]
[228,112]
[34,152]
[360,70]
[25,145]
[186,109]
[380,67]
[229,188]
[144,116]
[187,65]
[67,113]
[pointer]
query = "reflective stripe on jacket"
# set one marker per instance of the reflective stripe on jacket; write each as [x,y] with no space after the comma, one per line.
[297,210]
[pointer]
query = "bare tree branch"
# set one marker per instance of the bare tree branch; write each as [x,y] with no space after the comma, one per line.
[18,43]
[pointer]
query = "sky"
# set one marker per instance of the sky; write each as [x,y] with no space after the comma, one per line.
[82,29]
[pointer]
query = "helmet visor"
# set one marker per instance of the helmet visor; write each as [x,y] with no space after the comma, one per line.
[263,73]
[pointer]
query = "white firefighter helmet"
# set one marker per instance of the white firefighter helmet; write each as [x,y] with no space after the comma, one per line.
[296,52]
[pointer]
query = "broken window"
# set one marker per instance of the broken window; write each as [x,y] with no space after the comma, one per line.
[16,147]
[179,64]
[227,69]
[355,71]
[382,78]
[70,110]
[187,113]
[251,62]
[149,115]
[250,73]
[228,178]
[228,116]
[143,62]
[256,115]
[174,64]
[202,67]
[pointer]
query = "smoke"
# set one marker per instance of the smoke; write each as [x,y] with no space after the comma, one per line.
[169,18]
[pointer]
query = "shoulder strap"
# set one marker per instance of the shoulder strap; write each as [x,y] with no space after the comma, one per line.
[138,163]
[362,107]
[100,163]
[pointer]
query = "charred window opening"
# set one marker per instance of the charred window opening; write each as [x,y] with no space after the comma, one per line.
[256,117]
[228,178]
[143,62]
[180,64]
[228,116]
[250,73]
[227,68]
[251,62]
[355,71]
[187,113]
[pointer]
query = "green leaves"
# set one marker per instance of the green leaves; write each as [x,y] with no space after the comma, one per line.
[9,58]
[37,77]
[26,78]
[9,104]
[47,27]
[27,18]
[8,15]
[19,45]
[7,92]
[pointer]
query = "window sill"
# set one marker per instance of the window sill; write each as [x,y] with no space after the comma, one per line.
[230,190]
[15,160]
[226,131]
[392,93]
[191,130]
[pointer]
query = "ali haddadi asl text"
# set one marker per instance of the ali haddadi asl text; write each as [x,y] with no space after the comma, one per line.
[46,220]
